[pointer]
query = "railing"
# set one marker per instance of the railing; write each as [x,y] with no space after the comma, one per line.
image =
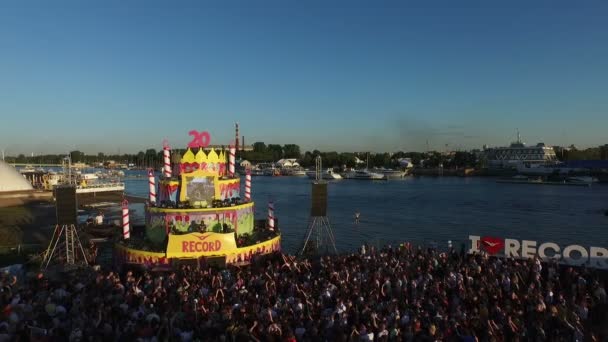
[101,185]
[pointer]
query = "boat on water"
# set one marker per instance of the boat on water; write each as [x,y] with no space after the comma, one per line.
[545,169]
[568,181]
[293,171]
[257,172]
[391,174]
[273,172]
[582,179]
[364,174]
[88,176]
[28,169]
[327,174]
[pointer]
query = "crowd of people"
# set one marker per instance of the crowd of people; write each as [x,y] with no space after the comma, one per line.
[391,294]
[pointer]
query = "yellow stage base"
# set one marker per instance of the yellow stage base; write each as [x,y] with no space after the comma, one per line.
[196,246]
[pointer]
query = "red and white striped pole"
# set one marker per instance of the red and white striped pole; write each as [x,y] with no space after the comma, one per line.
[126,229]
[231,161]
[167,160]
[248,185]
[270,216]
[152,183]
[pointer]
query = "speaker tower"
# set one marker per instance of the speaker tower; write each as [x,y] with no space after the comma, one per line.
[319,237]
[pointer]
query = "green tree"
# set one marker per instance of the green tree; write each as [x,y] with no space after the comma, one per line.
[291,151]
[276,151]
[604,152]
[77,156]
[259,147]
[347,159]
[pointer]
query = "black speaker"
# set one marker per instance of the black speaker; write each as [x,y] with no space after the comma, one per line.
[318,205]
[66,204]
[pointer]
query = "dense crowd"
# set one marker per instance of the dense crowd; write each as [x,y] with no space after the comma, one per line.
[393,294]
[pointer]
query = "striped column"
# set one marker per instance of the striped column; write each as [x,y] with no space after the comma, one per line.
[231,161]
[126,229]
[167,161]
[151,182]
[248,186]
[270,216]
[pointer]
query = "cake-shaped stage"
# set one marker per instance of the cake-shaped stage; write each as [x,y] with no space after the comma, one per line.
[197,212]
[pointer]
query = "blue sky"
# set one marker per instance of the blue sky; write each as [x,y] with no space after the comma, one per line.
[351,75]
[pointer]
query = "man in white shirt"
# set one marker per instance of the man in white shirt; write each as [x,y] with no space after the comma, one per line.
[99,219]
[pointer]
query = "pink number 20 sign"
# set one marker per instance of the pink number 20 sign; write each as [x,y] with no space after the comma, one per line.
[199,139]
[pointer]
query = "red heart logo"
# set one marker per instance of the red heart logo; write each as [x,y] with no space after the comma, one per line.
[492,245]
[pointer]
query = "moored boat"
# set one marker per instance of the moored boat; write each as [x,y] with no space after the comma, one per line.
[328,174]
[364,174]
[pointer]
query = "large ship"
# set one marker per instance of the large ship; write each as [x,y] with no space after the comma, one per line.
[519,155]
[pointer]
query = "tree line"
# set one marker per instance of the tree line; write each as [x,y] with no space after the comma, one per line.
[263,153]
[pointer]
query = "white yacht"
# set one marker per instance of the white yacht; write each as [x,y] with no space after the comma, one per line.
[293,171]
[582,179]
[327,174]
[364,174]
[391,174]
[27,169]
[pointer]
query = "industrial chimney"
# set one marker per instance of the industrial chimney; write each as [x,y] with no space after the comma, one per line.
[236,139]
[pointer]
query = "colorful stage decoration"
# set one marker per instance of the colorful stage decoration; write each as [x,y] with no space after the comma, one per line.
[197,212]
[168,190]
[270,215]
[162,221]
[126,229]
[123,254]
[167,159]
[152,184]
[198,188]
[245,254]
[232,161]
[195,245]
[212,162]
[199,139]
[248,185]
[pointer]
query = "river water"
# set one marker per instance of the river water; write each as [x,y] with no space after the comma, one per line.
[425,210]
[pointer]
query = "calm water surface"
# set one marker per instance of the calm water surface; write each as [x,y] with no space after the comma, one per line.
[429,209]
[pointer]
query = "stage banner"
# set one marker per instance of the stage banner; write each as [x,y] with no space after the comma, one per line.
[128,255]
[195,245]
[246,253]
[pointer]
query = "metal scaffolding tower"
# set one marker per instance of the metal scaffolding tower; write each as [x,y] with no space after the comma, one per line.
[65,243]
[319,228]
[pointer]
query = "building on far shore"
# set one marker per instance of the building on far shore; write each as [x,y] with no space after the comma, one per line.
[518,154]
[287,162]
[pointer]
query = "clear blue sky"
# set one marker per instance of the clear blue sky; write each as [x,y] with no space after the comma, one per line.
[371,75]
